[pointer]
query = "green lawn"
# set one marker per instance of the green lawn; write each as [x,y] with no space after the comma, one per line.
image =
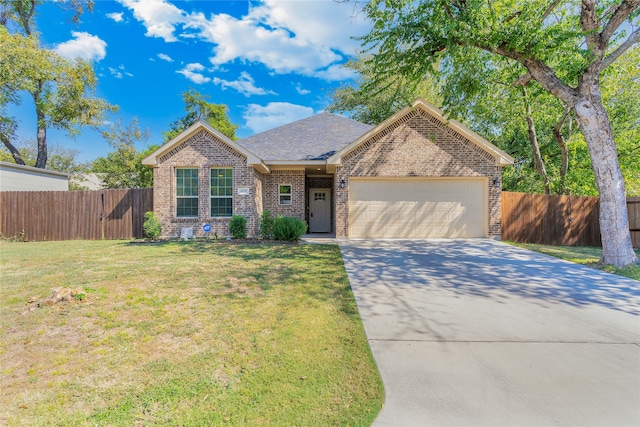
[182,333]
[586,255]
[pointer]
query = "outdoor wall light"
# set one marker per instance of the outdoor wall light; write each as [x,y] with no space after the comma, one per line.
[496,182]
[343,183]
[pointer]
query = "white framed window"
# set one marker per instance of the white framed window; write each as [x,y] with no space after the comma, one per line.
[284,194]
[221,188]
[187,192]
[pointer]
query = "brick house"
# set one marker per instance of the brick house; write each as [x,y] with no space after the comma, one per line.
[416,175]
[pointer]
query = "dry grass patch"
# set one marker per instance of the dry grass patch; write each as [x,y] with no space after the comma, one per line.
[182,333]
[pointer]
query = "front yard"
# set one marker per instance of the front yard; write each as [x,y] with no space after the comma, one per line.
[182,333]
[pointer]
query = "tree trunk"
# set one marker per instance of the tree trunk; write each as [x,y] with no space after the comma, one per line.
[614,219]
[535,146]
[41,138]
[559,137]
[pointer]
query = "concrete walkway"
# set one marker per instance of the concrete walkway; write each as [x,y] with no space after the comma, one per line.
[319,239]
[477,332]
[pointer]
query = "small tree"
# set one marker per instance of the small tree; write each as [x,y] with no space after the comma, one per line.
[288,229]
[238,227]
[152,226]
[122,168]
[266,225]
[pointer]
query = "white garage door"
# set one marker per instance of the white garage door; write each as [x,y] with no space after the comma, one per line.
[417,208]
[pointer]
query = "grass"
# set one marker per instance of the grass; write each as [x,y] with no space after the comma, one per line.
[586,255]
[182,333]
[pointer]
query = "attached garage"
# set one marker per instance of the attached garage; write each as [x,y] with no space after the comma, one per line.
[414,208]
[418,175]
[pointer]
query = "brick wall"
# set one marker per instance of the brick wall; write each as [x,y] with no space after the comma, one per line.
[417,145]
[271,199]
[204,151]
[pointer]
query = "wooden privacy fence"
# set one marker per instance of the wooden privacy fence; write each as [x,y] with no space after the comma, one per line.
[559,220]
[71,215]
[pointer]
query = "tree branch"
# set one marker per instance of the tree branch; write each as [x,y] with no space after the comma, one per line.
[630,41]
[589,23]
[17,157]
[523,80]
[626,8]
[550,9]
[539,71]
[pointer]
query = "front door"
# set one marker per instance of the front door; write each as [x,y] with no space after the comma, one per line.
[319,210]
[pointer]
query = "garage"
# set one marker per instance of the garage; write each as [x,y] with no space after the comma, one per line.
[415,208]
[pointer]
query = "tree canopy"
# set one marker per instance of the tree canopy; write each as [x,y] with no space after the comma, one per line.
[122,167]
[197,108]
[62,90]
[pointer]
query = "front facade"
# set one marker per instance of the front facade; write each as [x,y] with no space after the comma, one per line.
[416,175]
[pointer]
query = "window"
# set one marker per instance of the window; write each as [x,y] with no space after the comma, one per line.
[187,192]
[221,192]
[285,194]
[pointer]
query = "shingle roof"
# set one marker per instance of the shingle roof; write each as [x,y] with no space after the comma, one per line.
[314,138]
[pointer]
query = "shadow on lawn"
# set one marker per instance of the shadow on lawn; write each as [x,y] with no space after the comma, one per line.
[315,270]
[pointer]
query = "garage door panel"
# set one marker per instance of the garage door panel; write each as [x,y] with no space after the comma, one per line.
[416,209]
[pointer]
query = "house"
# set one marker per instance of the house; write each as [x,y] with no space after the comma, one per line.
[14,177]
[416,175]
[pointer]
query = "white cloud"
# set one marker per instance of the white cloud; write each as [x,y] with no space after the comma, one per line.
[116,16]
[243,39]
[158,16]
[194,73]
[301,37]
[260,118]
[119,72]
[84,46]
[165,57]
[329,22]
[336,72]
[245,85]
[300,90]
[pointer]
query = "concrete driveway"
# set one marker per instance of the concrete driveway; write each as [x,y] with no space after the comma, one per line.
[477,332]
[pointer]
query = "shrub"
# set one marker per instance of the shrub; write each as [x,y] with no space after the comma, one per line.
[266,225]
[289,229]
[238,227]
[152,227]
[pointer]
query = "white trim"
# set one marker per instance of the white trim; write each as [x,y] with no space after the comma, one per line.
[221,197]
[290,194]
[301,163]
[186,197]
[8,165]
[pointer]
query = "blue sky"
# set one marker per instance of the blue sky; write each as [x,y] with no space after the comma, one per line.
[271,62]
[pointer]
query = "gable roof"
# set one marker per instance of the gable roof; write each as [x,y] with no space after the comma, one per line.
[314,138]
[502,158]
[252,159]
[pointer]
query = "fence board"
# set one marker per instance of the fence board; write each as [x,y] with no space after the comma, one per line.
[71,215]
[559,220]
